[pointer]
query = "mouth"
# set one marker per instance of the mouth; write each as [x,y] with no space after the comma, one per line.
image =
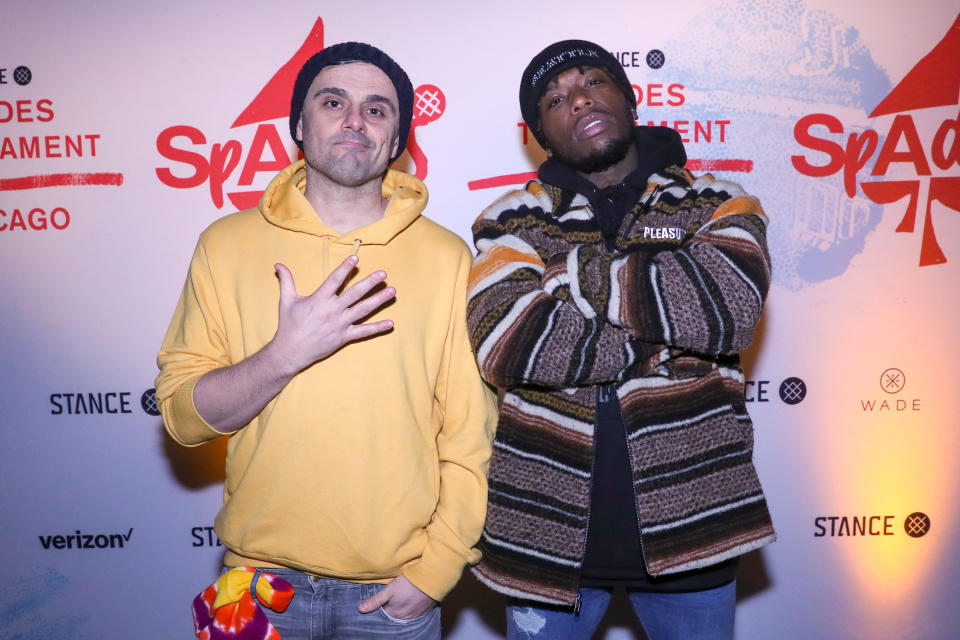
[591,125]
[352,142]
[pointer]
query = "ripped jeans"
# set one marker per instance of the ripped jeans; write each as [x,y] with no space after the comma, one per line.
[695,615]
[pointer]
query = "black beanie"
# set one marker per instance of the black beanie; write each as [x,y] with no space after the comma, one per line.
[353,52]
[559,57]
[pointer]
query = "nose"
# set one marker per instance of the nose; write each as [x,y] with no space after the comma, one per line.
[353,119]
[579,100]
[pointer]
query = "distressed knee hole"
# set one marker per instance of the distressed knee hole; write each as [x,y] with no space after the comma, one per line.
[528,620]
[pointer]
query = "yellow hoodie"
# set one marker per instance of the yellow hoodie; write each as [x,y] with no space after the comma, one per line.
[372,461]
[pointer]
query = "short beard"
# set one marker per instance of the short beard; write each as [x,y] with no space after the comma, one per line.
[348,172]
[600,159]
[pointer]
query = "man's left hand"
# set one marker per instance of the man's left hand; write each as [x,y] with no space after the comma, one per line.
[400,600]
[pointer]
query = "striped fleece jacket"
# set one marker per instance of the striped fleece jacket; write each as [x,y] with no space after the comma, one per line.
[554,311]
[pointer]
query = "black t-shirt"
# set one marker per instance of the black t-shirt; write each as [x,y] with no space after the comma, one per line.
[614,557]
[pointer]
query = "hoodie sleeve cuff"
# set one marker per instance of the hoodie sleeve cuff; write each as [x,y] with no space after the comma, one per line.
[184,423]
[439,569]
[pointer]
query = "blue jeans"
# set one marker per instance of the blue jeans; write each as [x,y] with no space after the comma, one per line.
[696,615]
[325,609]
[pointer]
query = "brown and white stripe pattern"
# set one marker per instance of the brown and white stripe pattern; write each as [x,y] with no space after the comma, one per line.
[552,314]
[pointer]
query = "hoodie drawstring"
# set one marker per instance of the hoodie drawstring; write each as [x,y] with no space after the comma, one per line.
[326,253]
[326,256]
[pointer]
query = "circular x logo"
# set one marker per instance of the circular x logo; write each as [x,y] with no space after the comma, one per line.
[793,390]
[655,58]
[429,104]
[917,524]
[22,75]
[892,380]
[149,402]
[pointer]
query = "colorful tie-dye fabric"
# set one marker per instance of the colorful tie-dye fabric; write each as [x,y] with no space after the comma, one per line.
[226,611]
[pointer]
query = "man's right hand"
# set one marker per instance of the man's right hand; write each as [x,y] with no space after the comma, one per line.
[312,327]
[309,329]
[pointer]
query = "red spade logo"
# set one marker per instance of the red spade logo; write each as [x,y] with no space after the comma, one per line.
[933,82]
[267,153]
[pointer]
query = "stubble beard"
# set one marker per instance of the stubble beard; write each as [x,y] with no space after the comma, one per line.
[348,171]
[599,159]
[348,168]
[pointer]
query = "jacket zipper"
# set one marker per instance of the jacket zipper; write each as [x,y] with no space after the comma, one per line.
[586,534]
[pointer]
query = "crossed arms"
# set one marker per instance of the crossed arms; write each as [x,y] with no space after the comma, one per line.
[586,315]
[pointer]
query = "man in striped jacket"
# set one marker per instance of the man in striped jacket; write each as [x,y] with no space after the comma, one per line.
[609,301]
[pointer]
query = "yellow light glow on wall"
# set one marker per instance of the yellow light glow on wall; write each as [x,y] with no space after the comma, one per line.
[893,460]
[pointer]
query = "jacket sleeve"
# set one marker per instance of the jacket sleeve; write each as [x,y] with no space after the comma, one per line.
[704,296]
[464,446]
[525,326]
[195,344]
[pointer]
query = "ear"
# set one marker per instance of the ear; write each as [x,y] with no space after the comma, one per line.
[300,128]
[396,145]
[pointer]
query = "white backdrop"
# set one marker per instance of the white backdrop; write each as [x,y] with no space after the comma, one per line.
[109,111]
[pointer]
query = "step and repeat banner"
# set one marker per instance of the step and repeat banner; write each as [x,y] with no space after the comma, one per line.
[128,127]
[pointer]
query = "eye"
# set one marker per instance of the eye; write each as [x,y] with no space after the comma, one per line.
[333,103]
[376,111]
[554,101]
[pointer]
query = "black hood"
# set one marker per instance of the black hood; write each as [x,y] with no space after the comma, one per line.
[658,147]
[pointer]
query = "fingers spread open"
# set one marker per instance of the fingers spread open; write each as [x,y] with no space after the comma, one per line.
[371,303]
[337,277]
[362,288]
[361,331]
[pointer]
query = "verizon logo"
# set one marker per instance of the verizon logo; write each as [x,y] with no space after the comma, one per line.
[80,540]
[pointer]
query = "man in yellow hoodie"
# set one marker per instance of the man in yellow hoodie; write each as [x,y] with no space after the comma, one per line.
[360,430]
